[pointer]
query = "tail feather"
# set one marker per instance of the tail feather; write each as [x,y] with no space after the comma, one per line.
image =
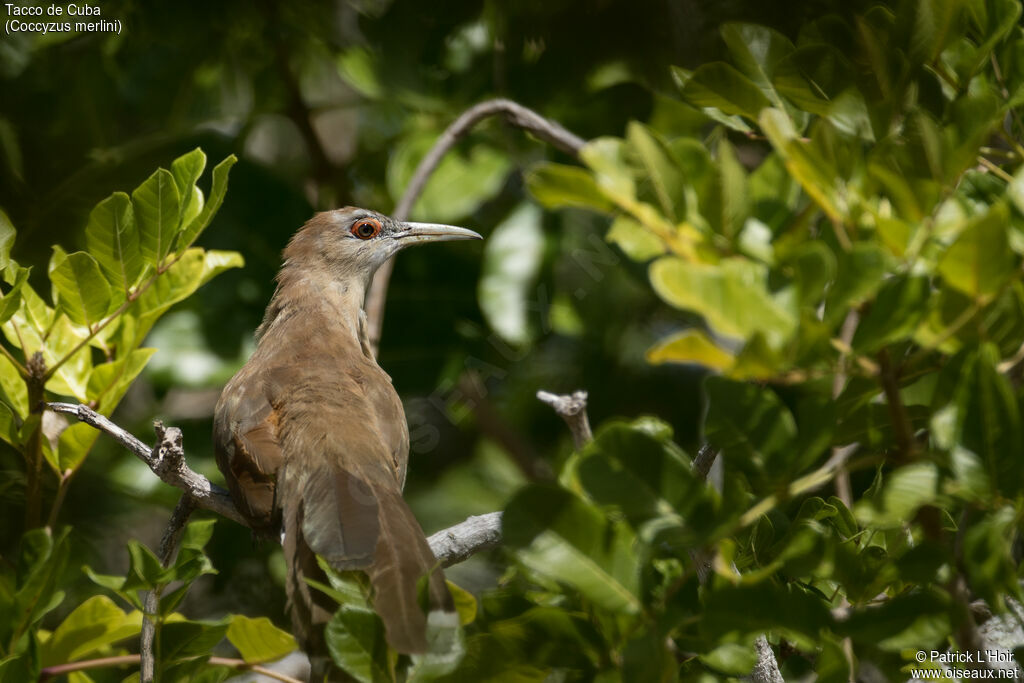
[402,558]
[340,517]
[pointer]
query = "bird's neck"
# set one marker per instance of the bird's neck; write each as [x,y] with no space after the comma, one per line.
[318,301]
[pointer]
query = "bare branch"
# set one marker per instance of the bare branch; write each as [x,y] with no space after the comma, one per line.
[573,409]
[168,550]
[166,460]
[458,543]
[516,115]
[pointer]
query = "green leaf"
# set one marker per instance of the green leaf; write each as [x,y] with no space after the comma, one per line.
[730,206]
[355,638]
[756,50]
[258,640]
[92,626]
[860,271]
[641,474]
[9,424]
[465,603]
[186,170]
[11,301]
[198,533]
[557,186]
[903,492]
[660,170]
[512,260]
[607,158]
[559,536]
[83,292]
[638,243]
[42,558]
[914,620]
[731,659]
[156,204]
[755,609]
[806,164]
[108,382]
[989,561]
[7,235]
[112,238]
[895,313]
[218,189]
[720,86]
[74,444]
[732,296]
[183,639]
[749,424]
[691,346]
[980,260]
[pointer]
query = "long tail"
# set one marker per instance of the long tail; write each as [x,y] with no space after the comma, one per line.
[356,526]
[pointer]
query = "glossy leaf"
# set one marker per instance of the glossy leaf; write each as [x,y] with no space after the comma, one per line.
[191,231]
[83,292]
[112,238]
[355,638]
[732,296]
[156,206]
[691,346]
[258,640]
[561,537]
[720,86]
[92,626]
[979,261]
[557,186]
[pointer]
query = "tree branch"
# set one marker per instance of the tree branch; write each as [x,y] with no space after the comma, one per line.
[458,543]
[573,409]
[168,550]
[167,460]
[516,115]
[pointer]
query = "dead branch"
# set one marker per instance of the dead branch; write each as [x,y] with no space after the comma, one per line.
[573,409]
[167,460]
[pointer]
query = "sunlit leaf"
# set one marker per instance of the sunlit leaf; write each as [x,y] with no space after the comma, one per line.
[92,626]
[258,640]
[691,346]
[112,238]
[558,186]
[156,203]
[191,231]
[83,292]
[732,296]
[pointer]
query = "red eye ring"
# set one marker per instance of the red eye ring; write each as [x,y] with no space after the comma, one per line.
[366,228]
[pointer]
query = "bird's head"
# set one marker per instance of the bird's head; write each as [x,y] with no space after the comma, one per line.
[354,242]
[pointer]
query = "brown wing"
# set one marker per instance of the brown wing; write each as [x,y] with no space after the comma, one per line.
[247,449]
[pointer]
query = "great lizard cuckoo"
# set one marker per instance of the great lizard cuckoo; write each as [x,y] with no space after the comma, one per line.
[312,438]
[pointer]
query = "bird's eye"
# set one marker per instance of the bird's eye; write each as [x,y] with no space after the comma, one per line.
[366,228]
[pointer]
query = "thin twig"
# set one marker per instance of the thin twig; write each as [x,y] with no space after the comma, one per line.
[168,550]
[133,660]
[516,115]
[573,409]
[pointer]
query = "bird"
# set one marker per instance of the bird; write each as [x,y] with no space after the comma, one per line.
[312,439]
